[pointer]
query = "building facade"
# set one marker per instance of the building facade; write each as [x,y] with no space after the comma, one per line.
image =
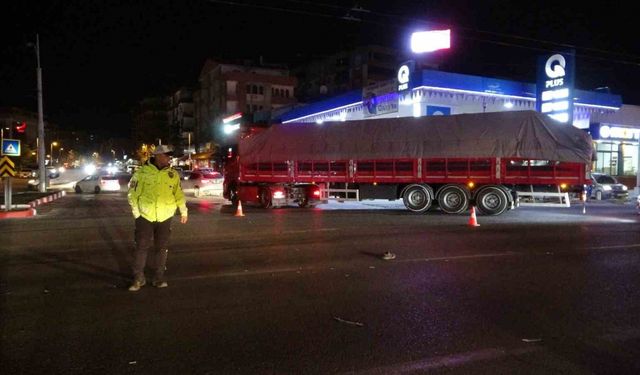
[151,124]
[227,89]
[180,115]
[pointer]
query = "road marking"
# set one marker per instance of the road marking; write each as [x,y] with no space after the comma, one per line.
[450,361]
[458,257]
[635,245]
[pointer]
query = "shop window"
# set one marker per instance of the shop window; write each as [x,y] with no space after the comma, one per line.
[630,159]
[607,158]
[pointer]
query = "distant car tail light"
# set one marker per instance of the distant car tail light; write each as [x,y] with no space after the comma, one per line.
[278,194]
[316,193]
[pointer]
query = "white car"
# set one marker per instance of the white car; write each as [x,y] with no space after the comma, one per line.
[200,183]
[97,183]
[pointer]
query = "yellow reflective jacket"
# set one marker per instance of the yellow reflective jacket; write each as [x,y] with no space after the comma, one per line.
[156,193]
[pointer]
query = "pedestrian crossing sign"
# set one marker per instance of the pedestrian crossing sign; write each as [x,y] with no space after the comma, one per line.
[11,147]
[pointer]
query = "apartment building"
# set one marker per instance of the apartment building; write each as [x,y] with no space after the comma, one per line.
[226,89]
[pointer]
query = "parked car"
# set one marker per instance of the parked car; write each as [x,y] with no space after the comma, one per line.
[34,180]
[200,183]
[26,173]
[97,183]
[604,186]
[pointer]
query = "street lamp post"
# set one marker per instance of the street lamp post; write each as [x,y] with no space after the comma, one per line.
[42,187]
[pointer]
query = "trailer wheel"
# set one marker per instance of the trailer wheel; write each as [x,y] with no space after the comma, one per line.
[265,198]
[417,198]
[453,199]
[492,200]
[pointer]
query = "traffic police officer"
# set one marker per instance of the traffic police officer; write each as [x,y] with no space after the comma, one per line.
[154,194]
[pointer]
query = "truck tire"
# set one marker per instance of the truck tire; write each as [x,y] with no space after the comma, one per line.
[453,199]
[491,200]
[265,198]
[417,198]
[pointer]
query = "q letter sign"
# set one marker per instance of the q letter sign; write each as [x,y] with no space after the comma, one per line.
[554,86]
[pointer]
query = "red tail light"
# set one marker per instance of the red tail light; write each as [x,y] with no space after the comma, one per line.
[316,193]
[278,194]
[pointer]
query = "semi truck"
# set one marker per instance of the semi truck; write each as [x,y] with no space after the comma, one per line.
[445,162]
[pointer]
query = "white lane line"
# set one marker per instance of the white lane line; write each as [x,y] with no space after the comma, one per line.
[450,361]
[458,257]
[630,246]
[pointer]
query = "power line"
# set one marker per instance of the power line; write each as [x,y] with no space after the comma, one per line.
[627,59]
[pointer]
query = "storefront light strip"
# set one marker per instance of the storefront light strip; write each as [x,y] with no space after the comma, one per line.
[453,91]
[323,112]
[596,106]
[474,92]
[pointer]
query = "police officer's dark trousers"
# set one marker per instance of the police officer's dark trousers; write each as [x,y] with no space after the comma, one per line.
[151,236]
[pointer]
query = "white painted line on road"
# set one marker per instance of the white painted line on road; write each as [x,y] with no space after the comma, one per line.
[458,257]
[613,247]
[450,361]
[309,230]
[244,273]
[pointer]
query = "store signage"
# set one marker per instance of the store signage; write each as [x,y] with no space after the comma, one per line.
[404,75]
[429,41]
[609,132]
[379,99]
[554,86]
[435,110]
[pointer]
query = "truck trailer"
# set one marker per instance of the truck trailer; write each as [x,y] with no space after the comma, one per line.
[450,162]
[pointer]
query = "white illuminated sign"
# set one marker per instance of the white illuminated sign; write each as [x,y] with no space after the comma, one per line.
[233,117]
[429,41]
[556,96]
[403,77]
[618,132]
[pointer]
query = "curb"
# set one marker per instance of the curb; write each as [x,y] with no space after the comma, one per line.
[47,199]
[18,214]
[31,211]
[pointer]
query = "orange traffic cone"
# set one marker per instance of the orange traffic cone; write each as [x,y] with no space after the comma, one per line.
[239,210]
[473,222]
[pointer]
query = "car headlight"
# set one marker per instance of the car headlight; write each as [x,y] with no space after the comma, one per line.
[625,188]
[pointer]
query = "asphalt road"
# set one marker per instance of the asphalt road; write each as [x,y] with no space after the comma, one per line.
[305,291]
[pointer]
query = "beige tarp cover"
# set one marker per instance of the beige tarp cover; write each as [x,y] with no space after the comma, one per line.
[522,134]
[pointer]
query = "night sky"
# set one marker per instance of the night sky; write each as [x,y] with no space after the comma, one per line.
[100,57]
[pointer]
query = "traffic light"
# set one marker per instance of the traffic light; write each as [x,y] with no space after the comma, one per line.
[21,127]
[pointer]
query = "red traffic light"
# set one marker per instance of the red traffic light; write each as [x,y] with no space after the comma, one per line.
[22,127]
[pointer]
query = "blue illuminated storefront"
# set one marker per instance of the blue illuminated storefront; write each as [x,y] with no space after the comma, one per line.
[432,93]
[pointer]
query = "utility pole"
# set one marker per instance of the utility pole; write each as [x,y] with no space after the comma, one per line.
[42,179]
